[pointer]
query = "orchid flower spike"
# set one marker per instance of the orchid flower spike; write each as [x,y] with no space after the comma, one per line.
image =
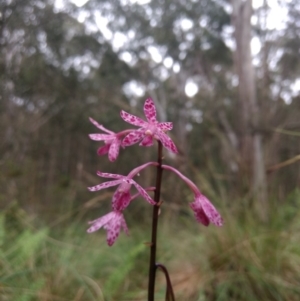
[148,130]
[112,223]
[111,139]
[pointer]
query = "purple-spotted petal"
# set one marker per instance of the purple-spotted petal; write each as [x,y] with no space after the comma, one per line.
[210,211]
[99,126]
[114,227]
[120,200]
[113,231]
[121,197]
[103,150]
[104,185]
[205,212]
[112,223]
[166,141]
[199,214]
[100,222]
[114,150]
[150,110]
[100,137]
[147,141]
[143,193]
[133,137]
[109,175]
[132,119]
[165,126]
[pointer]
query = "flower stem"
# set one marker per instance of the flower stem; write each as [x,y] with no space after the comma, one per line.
[169,291]
[152,266]
[184,178]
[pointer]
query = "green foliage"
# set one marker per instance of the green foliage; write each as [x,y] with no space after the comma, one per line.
[19,260]
[252,261]
[127,263]
[244,261]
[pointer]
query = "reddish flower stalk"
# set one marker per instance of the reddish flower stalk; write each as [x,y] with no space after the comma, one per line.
[152,264]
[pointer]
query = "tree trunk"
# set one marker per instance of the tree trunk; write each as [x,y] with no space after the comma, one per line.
[250,139]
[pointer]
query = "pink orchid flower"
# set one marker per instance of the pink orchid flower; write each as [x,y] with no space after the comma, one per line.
[205,212]
[112,223]
[111,139]
[121,197]
[149,130]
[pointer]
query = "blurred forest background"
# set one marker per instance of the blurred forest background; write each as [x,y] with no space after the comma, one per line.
[226,73]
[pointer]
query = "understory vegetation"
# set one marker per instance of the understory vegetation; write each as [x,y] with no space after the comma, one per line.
[245,260]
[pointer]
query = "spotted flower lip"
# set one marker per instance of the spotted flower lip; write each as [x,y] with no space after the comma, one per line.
[121,197]
[112,223]
[111,140]
[148,129]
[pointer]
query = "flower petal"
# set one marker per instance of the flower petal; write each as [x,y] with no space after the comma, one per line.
[150,110]
[114,150]
[210,211]
[199,214]
[143,193]
[113,231]
[166,141]
[132,119]
[112,223]
[165,126]
[101,137]
[109,175]
[120,200]
[133,137]
[99,126]
[100,222]
[114,226]
[103,150]
[147,141]
[104,185]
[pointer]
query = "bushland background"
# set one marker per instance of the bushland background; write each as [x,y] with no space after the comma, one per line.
[226,73]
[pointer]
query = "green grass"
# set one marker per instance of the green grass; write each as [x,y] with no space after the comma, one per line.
[245,260]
